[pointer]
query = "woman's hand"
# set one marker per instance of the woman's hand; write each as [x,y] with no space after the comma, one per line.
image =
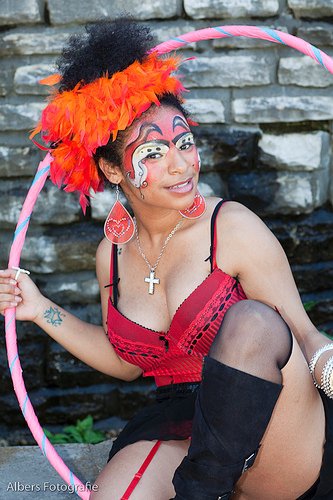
[22,294]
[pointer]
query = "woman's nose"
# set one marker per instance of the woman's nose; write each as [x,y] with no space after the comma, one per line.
[177,162]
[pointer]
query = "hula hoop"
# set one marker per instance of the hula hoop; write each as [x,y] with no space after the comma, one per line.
[37,184]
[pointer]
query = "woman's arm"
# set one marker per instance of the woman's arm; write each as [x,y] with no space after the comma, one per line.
[87,342]
[255,256]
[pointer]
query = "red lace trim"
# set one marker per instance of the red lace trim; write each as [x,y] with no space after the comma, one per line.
[198,335]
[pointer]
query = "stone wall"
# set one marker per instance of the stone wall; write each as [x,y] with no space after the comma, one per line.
[265,137]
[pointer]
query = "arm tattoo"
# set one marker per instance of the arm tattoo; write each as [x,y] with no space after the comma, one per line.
[54,316]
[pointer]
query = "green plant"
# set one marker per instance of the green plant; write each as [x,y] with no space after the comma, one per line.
[81,432]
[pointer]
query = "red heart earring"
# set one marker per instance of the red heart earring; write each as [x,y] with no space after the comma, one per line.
[119,226]
[197,209]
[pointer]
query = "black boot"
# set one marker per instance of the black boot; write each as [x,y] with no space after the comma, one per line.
[233,409]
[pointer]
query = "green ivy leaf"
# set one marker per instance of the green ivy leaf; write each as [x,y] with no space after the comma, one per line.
[93,437]
[86,423]
[81,432]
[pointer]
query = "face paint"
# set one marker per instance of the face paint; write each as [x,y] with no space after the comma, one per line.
[140,156]
[199,162]
[155,140]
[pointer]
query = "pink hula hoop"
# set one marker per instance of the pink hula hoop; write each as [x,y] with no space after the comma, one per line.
[37,184]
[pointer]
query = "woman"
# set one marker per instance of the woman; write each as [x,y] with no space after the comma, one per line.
[197,293]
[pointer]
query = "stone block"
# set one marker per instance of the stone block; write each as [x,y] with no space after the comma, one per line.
[101,203]
[311,8]
[206,110]
[280,193]
[54,405]
[226,149]
[78,288]
[164,31]
[20,12]
[296,151]
[322,310]
[211,184]
[235,71]
[331,185]
[65,248]
[62,208]
[320,35]
[64,371]
[6,81]
[18,161]
[305,238]
[210,9]
[303,72]
[313,277]
[300,193]
[32,359]
[26,79]
[45,41]
[20,116]
[26,473]
[82,11]
[282,109]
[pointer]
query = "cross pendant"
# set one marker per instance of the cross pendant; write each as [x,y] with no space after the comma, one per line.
[152,281]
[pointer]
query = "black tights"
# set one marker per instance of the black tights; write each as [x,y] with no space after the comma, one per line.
[255,339]
[241,382]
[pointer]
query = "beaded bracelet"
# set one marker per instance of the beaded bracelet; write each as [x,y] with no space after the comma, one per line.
[314,359]
[326,378]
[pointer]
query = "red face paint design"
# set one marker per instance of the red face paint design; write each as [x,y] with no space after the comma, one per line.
[152,143]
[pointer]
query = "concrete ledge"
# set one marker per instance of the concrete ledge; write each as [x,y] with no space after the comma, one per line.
[25,474]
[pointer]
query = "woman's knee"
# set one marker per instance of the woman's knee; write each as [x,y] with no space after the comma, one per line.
[250,330]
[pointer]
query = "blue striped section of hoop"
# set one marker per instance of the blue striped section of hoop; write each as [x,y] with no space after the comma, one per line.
[317,55]
[21,226]
[71,478]
[24,405]
[9,322]
[273,34]
[221,30]
[13,363]
[43,444]
[39,174]
[180,40]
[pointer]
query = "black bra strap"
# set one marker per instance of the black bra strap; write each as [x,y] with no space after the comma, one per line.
[115,275]
[212,231]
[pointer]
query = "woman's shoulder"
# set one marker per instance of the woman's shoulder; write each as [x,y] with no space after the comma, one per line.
[103,255]
[240,226]
[236,217]
[104,248]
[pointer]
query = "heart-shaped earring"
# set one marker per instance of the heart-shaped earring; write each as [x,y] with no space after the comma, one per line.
[197,209]
[119,226]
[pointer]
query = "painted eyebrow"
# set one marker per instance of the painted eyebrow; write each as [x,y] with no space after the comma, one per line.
[179,121]
[145,130]
[179,136]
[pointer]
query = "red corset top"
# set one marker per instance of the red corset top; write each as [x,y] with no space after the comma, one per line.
[176,355]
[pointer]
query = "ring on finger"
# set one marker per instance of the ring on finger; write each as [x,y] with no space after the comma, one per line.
[19,270]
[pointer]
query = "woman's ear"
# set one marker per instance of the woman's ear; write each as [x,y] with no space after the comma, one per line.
[111,171]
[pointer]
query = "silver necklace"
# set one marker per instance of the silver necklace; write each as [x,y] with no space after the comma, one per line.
[151,279]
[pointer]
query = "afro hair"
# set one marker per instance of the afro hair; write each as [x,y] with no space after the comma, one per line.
[105,47]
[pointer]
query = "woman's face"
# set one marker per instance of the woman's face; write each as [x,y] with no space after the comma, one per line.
[160,159]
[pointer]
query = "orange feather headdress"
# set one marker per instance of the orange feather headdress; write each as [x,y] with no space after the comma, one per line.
[79,121]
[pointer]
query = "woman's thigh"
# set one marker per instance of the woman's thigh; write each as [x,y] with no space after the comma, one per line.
[287,464]
[290,457]
[156,482]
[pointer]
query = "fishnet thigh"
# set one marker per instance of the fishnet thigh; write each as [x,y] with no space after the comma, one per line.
[156,482]
[253,338]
